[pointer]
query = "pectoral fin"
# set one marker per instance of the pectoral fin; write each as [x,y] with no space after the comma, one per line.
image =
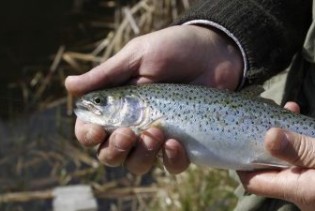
[158,122]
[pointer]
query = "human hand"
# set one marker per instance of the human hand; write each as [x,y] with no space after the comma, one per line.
[295,184]
[189,54]
[185,54]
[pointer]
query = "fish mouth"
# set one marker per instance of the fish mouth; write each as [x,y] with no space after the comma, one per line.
[86,105]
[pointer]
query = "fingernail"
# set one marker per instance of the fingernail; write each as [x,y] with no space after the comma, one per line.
[170,151]
[147,140]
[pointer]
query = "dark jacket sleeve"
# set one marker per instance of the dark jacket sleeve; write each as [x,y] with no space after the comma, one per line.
[270,31]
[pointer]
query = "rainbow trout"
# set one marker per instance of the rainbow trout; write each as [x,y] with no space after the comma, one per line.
[218,128]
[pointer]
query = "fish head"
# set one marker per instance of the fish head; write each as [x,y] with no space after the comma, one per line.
[111,109]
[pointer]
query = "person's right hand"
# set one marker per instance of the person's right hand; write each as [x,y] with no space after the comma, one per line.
[185,54]
[294,184]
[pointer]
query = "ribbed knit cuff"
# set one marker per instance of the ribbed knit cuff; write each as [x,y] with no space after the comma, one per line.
[259,27]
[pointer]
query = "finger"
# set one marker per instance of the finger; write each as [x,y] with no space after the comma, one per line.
[89,134]
[114,151]
[115,71]
[292,106]
[291,147]
[144,154]
[267,183]
[175,157]
[260,182]
[289,185]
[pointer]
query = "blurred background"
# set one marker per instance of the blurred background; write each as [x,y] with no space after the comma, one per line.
[41,42]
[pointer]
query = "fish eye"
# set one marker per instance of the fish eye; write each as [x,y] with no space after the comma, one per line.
[97,100]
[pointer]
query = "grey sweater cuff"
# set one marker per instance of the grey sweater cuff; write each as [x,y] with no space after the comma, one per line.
[270,32]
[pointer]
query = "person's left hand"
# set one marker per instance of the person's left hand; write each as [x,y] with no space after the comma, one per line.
[295,184]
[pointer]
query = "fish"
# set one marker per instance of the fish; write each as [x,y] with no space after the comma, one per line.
[218,128]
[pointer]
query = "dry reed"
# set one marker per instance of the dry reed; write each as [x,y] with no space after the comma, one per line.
[167,192]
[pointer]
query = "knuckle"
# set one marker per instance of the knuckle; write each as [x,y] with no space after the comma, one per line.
[134,43]
[305,152]
[122,140]
[109,159]
[133,52]
[298,150]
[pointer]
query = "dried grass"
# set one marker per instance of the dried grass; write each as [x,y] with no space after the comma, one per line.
[66,163]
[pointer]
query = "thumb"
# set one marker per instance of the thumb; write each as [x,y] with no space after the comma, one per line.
[115,71]
[292,147]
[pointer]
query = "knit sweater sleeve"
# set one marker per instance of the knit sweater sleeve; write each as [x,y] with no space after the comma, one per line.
[269,31]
